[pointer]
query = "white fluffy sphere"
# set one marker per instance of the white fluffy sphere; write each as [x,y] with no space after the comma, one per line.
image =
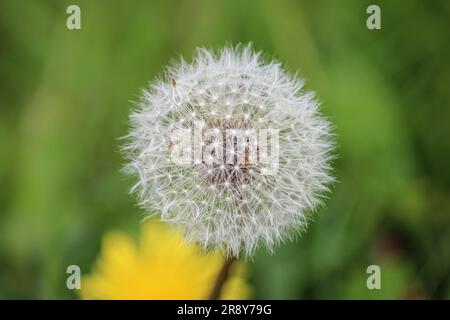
[231,150]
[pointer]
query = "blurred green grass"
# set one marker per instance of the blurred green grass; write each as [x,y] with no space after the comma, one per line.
[65,98]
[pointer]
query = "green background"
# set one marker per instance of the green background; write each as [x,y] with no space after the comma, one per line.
[65,99]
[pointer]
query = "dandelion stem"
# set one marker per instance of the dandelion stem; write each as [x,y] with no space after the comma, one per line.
[221,279]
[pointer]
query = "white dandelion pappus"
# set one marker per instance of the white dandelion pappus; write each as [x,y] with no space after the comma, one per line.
[230,193]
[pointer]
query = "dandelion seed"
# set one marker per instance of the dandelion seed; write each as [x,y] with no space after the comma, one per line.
[254,194]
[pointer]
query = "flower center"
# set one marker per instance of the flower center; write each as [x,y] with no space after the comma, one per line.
[229,156]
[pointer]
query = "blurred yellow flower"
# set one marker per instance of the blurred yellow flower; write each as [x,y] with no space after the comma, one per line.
[162,266]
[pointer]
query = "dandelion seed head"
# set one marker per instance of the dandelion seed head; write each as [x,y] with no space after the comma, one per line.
[227,199]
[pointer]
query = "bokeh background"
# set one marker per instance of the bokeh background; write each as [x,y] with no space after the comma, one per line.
[65,99]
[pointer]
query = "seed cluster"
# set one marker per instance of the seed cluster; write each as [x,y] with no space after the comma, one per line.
[258,151]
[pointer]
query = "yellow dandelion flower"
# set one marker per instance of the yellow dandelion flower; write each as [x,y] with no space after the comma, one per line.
[162,266]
